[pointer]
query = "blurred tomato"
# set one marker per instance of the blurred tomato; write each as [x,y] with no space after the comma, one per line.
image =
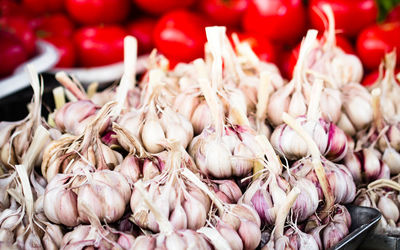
[142,29]
[66,50]
[394,14]
[263,47]
[289,59]
[162,6]
[280,20]
[20,27]
[350,16]
[97,12]
[180,36]
[53,25]
[12,53]
[11,8]
[370,78]
[99,45]
[224,12]
[376,40]
[43,6]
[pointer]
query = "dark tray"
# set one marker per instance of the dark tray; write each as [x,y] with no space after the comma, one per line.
[363,222]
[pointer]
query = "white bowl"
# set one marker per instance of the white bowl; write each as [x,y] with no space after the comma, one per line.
[46,58]
[102,74]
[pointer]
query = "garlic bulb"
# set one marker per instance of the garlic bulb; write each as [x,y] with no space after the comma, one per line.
[73,117]
[72,153]
[357,108]
[104,192]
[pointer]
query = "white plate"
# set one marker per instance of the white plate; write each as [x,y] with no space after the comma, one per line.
[47,57]
[102,74]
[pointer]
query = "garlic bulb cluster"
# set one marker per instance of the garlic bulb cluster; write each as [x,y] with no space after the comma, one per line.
[104,192]
[73,153]
[155,123]
[185,205]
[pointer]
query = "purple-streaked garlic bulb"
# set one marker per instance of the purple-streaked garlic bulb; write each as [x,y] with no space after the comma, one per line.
[69,152]
[339,178]
[67,197]
[328,232]
[330,139]
[366,165]
[293,238]
[265,195]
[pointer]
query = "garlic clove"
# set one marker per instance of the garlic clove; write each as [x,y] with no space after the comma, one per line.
[195,212]
[250,234]
[201,118]
[230,235]
[392,159]
[153,136]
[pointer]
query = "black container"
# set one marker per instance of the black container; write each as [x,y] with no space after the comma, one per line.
[363,222]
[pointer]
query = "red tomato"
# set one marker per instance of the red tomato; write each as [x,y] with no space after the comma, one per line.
[53,25]
[12,53]
[376,40]
[264,48]
[97,12]
[142,29]
[66,50]
[224,12]
[180,36]
[99,45]
[20,27]
[162,6]
[350,16]
[43,6]
[290,58]
[394,15]
[10,8]
[280,20]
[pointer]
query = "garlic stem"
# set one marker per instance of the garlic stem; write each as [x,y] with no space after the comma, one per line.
[62,78]
[270,153]
[128,77]
[27,191]
[59,97]
[37,93]
[376,107]
[306,46]
[193,178]
[316,161]
[40,138]
[210,96]
[239,117]
[92,89]
[384,183]
[244,49]
[165,226]
[283,212]
[313,113]
[264,91]
[218,242]
[215,37]
[331,38]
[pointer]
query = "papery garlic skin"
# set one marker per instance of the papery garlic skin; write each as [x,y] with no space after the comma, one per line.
[74,116]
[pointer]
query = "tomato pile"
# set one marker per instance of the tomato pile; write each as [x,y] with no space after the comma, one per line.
[89,33]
